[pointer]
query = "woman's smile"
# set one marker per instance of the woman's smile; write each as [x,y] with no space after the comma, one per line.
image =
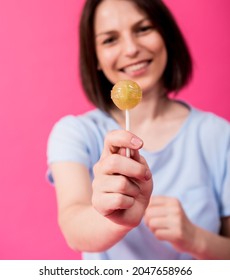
[136,68]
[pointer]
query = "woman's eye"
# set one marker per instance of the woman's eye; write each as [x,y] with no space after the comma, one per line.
[108,41]
[143,29]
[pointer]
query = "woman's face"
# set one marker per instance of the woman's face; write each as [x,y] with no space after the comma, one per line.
[127,44]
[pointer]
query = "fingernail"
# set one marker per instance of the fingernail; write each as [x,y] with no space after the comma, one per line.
[148,175]
[136,141]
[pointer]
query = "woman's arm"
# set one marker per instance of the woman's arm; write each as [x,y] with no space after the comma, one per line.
[167,220]
[95,218]
[82,226]
[214,246]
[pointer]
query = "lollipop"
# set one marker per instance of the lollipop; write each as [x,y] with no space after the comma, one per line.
[126,95]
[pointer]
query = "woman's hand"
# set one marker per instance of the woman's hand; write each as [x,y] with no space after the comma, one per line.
[166,218]
[122,186]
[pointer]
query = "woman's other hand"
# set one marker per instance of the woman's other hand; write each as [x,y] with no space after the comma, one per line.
[166,218]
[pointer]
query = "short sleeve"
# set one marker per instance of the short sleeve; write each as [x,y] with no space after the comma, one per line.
[215,149]
[225,195]
[68,142]
[221,162]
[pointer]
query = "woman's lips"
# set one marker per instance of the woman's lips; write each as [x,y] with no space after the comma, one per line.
[136,67]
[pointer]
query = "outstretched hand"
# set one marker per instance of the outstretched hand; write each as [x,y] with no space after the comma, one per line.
[122,186]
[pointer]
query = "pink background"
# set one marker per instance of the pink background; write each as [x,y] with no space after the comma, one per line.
[39,83]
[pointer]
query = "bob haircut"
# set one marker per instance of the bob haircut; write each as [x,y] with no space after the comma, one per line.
[179,67]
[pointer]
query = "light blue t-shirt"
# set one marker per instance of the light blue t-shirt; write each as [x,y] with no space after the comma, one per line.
[193,167]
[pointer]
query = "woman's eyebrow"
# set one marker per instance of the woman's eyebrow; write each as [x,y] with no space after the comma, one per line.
[109,32]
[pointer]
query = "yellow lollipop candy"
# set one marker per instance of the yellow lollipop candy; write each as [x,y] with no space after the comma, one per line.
[126,94]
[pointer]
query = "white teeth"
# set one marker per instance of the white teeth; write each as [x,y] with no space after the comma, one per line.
[136,67]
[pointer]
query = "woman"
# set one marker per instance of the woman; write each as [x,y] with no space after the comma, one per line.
[106,206]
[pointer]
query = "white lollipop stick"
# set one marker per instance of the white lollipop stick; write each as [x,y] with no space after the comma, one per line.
[127,127]
[126,94]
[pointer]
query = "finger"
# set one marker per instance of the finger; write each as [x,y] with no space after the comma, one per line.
[157,223]
[163,234]
[163,201]
[172,212]
[111,202]
[116,164]
[117,139]
[134,154]
[156,211]
[117,184]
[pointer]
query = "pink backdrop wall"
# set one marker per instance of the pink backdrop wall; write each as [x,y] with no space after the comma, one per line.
[39,83]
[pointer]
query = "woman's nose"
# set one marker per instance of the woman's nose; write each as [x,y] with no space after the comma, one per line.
[130,46]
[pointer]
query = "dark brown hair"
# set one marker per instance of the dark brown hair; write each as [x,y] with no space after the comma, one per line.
[178,70]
